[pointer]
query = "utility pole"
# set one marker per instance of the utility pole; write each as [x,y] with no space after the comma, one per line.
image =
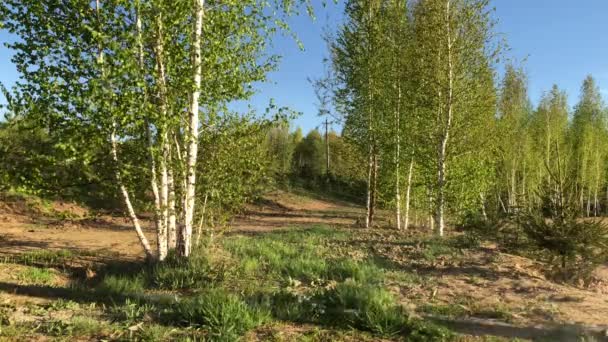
[327,147]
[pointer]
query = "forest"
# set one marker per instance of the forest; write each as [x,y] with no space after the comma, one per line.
[435,201]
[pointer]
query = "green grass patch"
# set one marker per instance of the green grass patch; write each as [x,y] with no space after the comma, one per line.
[434,248]
[86,326]
[304,255]
[367,308]
[36,276]
[118,285]
[176,273]
[374,309]
[45,257]
[131,312]
[249,281]
[225,316]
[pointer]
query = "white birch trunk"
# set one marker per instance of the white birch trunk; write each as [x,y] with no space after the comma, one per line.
[524,193]
[431,219]
[597,186]
[408,190]
[192,134]
[595,203]
[398,159]
[439,213]
[374,188]
[125,196]
[152,158]
[398,198]
[172,222]
[161,230]
[513,203]
[199,231]
[441,174]
[162,238]
[369,189]
[606,206]
[483,206]
[588,202]
[114,153]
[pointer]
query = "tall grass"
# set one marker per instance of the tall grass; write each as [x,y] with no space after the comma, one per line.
[290,276]
[303,255]
[225,316]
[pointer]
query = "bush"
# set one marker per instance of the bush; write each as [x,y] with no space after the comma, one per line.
[300,254]
[575,246]
[371,308]
[434,248]
[468,240]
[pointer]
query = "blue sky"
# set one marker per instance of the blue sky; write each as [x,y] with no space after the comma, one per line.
[561,41]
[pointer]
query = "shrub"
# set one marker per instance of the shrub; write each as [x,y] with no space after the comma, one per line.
[299,254]
[469,240]
[575,246]
[434,248]
[153,333]
[86,326]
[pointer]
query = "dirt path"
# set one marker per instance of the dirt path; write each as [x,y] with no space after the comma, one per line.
[20,233]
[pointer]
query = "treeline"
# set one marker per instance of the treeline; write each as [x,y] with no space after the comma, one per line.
[128,102]
[321,161]
[441,134]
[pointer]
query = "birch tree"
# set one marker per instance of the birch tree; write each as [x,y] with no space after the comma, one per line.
[454,75]
[587,136]
[397,139]
[151,73]
[355,59]
[514,113]
[550,123]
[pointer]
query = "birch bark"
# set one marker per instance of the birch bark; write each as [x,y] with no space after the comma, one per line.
[192,138]
[408,190]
